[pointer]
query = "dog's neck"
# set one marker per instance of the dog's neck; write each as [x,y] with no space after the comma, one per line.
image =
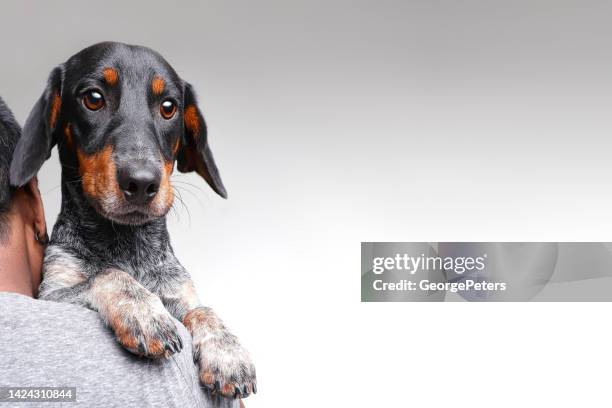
[85,230]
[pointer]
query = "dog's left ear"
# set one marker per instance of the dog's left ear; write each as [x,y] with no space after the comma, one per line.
[195,154]
[37,138]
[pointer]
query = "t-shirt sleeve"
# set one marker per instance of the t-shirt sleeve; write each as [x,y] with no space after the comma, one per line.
[48,344]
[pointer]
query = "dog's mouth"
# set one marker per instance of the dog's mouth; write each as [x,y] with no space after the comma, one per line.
[131,218]
[130,215]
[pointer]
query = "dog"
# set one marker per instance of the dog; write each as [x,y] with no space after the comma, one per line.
[121,117]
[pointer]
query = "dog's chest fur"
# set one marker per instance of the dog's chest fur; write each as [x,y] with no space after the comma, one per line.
[87,243]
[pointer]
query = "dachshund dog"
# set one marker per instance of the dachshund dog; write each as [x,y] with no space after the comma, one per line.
[120,117]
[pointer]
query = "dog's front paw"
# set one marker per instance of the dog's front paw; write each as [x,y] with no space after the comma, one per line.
[145,328]
[225,366]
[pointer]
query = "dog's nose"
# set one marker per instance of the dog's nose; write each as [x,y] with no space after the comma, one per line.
[139,185]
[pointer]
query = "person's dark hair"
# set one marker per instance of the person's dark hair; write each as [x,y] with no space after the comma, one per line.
[9,134]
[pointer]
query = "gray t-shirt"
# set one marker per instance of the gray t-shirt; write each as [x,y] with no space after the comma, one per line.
[57,344]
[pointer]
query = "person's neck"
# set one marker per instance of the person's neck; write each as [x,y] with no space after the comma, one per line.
[15,270]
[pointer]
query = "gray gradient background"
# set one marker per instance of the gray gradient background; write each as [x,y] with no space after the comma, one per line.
[336,122]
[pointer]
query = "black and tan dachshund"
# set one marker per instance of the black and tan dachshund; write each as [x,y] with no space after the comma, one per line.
[121,116]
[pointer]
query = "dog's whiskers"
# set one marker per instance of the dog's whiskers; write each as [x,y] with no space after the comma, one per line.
[188,183]
[179,196]
[184,187]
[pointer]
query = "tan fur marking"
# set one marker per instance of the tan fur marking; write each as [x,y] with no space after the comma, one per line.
[111,76]
[165,196]
[207,377]
[56,103]
[176,146]
[98,173]
[191,157]
[68,134]
[158,85]
[192,122]
[228,389]
[199,317]
[155,347]
[165,183]
[121,331]
[109,297]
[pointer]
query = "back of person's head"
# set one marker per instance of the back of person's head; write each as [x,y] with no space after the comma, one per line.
[9,134]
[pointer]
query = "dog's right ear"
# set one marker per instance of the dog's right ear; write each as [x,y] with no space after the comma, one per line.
[38,136]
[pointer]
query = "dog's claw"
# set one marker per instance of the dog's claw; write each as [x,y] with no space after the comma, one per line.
[173,346]
[141,348]
[178,345]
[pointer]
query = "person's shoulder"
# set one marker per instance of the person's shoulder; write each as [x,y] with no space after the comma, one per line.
[52,343]
[16,303]
[53,316]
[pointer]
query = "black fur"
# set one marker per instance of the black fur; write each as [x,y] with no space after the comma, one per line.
[9,135]
[38,139]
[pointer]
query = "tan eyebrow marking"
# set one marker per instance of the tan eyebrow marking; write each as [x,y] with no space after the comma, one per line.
[158,85]
[111,76]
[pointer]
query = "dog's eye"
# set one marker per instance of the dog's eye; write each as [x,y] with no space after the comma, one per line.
[167,109]
[93,100]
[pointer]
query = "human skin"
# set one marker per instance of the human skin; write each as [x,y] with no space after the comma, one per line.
[21,253]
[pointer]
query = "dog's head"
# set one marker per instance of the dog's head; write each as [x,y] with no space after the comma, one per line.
[121,117]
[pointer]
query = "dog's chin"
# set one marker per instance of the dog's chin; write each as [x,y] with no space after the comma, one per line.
[130,216]
[121,212]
